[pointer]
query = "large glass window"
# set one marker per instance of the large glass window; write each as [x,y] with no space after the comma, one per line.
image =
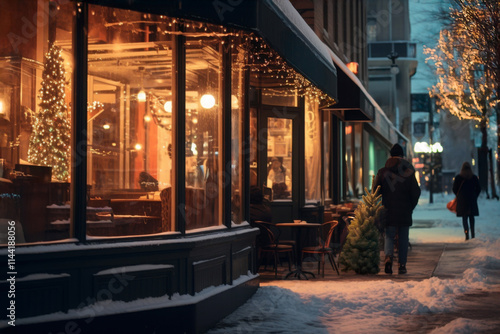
[254,148]
[358,160]
[353,158]
[35,119]
[349,160]
[204,130]
[279,153]
[327,142]
[129,161]
[237,133]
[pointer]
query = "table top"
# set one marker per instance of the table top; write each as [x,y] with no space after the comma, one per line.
[107,214]
[301,224]
[128,200]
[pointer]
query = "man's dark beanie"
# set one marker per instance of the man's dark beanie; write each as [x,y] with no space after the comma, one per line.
[397,151]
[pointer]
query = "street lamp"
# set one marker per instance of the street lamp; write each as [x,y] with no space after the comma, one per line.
[395,71]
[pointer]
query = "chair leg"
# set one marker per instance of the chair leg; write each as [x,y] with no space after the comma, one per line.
[323,264]
[276,259]
[267,260]
[289,261]
[332,262]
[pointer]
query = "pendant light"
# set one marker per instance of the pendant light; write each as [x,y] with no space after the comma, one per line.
[207,100]
[141,96]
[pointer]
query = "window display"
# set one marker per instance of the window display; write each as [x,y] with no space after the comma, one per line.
[129,160]
[279,153]
[35,114]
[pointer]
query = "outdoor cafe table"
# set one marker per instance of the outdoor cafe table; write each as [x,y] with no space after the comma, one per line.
[297,228]
[344,211]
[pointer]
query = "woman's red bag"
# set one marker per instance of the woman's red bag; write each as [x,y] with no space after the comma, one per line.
[452,205]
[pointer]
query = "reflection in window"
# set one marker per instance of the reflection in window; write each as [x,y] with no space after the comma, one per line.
[371,30]
[326,155]
[253,148]
[279,152]
[35,122]
[237,133]
[129,162]
[203,131]
[312,150]
[349,160]
[358,159]
[354,167]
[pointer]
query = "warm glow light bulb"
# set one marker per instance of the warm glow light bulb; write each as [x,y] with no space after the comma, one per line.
[141,96]
[207,101]
[168,106]
[147,118]
[138,147]
[106,126]
[1,107]
[234,102]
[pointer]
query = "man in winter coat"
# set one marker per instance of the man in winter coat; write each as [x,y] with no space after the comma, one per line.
[400,192]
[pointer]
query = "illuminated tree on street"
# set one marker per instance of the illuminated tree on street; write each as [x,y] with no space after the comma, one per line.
[480,20]
[467,78]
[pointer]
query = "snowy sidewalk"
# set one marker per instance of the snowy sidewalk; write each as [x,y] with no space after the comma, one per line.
[452,286]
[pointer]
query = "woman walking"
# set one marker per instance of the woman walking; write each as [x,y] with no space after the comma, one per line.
[467,188]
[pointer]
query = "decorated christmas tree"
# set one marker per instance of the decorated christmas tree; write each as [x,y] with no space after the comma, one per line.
[50,141]
[361,250]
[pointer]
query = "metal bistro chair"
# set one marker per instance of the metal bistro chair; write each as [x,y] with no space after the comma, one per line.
[271,244]
[323,248]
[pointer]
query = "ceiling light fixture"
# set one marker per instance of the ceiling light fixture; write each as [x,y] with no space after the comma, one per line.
[207,101]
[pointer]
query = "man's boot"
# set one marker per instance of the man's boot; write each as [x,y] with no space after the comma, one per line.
[466,235]
[388,264]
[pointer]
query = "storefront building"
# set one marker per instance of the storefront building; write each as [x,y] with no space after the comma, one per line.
[130,135]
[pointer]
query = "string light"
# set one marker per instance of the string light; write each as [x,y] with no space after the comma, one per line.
[260,59]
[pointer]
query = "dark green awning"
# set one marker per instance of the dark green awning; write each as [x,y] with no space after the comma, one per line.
[354,102]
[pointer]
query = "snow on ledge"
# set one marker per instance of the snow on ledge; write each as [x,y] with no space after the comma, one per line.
[140,267]
[109,307]
[36,277]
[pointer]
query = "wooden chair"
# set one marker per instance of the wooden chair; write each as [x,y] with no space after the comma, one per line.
[323,248]
[166,213]
[269,243]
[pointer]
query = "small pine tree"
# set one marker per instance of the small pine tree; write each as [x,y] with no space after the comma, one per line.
[361,250]
[50,140]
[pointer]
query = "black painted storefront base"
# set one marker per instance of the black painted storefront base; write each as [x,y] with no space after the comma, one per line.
[79,288]
[193,318]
